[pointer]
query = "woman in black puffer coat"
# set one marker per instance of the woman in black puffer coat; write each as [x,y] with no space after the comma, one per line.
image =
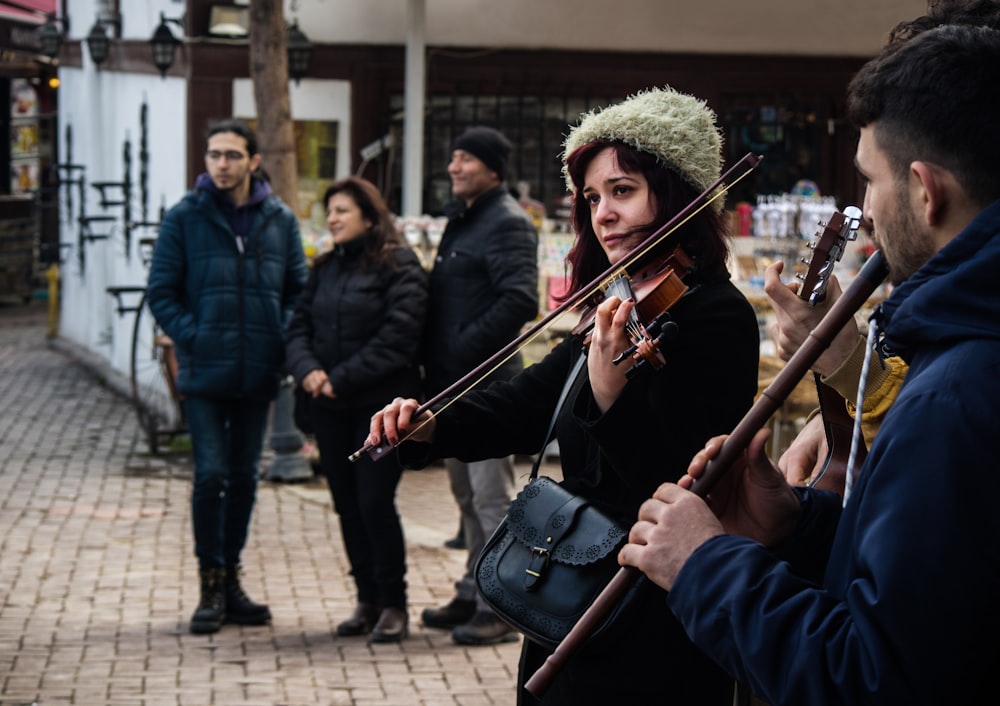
[353,343]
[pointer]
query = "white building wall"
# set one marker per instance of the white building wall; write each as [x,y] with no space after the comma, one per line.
[88,313]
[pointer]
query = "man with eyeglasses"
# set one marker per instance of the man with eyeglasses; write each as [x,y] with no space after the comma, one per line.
[226,271]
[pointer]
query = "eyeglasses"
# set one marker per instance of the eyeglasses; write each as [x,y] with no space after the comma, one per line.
[230,155]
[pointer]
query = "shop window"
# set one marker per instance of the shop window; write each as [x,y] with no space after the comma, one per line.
[24,146]
[791,134]
[316,154]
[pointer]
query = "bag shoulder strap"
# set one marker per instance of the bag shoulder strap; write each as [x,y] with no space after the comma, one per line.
[574,372]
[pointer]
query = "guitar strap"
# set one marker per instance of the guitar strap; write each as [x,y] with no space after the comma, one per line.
[857,438]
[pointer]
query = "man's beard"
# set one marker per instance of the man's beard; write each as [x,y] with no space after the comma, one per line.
[909,243]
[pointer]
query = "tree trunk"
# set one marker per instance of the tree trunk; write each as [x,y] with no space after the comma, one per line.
[269,72]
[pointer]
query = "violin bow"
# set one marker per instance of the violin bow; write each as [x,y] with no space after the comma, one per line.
[770,400]
[741,169]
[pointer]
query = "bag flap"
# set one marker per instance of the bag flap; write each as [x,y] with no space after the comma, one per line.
[546,515]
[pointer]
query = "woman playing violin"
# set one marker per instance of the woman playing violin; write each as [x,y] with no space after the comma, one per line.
[630,168]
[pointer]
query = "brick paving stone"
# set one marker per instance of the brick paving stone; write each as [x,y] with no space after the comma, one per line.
[98,578]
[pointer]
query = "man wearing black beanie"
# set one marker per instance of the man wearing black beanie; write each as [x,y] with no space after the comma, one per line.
[483,289]
[487,145]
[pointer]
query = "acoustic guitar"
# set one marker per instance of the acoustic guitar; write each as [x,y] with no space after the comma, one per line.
[827,250]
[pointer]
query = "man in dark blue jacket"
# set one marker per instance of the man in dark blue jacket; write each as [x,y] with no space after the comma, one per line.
[892,597]
[227,269]
[483,289]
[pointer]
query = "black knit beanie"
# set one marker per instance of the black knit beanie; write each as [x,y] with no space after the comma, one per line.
[487,144]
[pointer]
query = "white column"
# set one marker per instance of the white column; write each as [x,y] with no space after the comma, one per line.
[413,119]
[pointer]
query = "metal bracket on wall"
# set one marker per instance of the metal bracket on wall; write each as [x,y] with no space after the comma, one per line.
[120,293]
[106,201]
[68,175]
[87,235]
[119,193]
[146,246]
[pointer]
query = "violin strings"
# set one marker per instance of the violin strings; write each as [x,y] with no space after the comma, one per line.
[620,287]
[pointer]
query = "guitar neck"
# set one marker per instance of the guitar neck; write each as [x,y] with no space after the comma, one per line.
[837,423]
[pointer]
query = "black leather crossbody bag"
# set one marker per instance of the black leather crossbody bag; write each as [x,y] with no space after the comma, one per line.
[551,555]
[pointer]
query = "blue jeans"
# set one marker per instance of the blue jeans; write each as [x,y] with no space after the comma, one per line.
[227,437]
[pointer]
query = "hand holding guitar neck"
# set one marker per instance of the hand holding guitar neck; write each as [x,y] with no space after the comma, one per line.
[838,425]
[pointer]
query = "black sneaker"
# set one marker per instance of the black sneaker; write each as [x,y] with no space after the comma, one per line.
[456,542]
[449,617]
[485,628]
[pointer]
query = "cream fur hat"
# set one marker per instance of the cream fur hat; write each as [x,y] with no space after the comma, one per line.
[678,129]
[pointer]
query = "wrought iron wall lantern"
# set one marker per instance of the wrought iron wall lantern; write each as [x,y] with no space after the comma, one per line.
[50,38]
[164,44]
[299,50]
[98,42]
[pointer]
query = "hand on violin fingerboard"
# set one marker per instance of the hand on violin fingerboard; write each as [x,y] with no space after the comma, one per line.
[609,339]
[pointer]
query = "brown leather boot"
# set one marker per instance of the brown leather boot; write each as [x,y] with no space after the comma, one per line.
[361,622]
[393,625]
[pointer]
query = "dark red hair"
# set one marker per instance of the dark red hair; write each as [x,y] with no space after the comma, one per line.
[704,236]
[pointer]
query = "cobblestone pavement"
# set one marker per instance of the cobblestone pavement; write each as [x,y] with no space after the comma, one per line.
[98,578]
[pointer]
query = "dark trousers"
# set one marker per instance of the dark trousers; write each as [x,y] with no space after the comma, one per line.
[227,437]
[364,498]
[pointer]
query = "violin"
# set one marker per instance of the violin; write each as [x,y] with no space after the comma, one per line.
[638,258]
[655,289]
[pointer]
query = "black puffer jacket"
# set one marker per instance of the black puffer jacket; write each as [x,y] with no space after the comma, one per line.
[484,288]
[361,326]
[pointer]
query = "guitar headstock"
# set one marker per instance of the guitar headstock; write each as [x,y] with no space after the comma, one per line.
[827,250]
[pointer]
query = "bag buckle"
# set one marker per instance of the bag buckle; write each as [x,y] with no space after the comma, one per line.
[539,560]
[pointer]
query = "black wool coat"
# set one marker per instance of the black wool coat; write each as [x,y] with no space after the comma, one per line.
[483,288]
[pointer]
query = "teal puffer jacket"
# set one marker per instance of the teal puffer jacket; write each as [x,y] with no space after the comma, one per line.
[226,307]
